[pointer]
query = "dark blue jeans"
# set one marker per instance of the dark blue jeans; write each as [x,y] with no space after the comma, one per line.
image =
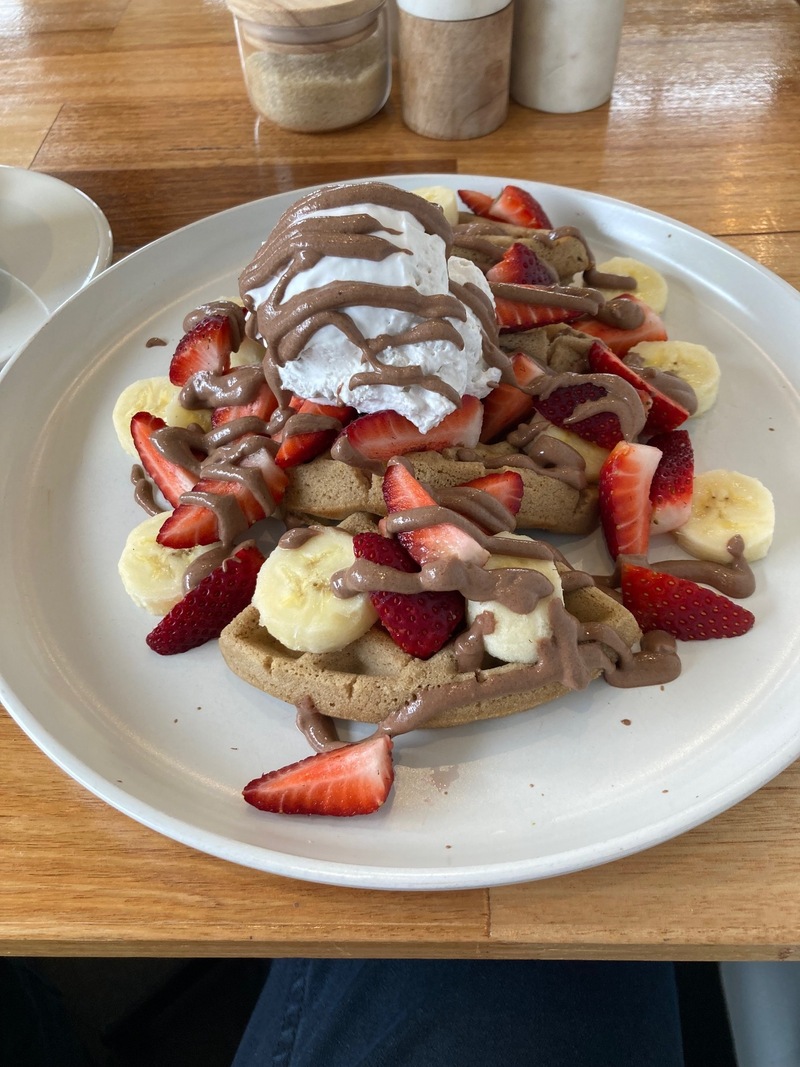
[464,1013]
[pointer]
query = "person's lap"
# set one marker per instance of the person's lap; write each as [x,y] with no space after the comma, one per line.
[416,1013]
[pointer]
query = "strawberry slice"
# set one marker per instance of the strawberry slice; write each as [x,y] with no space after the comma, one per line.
[419,623]
[303,447]
[402,492]
[207,346]
[351,780]
[624,489]
[507,406]
[664,413]
[384,434]
[207,609]
[673,482]
[171,478]
[194,524]
[517,206]
[514,315]
[506,487]
[262,407]
[559,407]
[682,608]
[521,266]
[477,203]
[622,341]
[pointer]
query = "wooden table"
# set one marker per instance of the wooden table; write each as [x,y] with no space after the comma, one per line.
[140,103]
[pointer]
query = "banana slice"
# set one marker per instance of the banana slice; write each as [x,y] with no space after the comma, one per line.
[515,637]
[158,396]
[151,574]
[593,455]
[444,197]
[295,601]
[249,351]
[651,286]
[694,363]
[725,503]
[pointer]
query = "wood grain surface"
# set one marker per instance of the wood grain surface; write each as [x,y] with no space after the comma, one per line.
[141,104]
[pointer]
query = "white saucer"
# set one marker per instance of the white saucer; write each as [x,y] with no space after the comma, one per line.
[21,315]
[53,238]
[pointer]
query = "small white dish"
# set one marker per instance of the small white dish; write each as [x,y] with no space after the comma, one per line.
[21,315]
[53,238]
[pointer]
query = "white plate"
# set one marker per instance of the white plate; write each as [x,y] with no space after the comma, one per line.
[172,742]
[21,314]
[52,236]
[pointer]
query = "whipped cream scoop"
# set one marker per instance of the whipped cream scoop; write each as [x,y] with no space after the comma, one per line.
[358,303]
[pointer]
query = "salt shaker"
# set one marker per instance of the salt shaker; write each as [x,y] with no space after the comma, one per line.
[564,55]
[455,65]
[314,65]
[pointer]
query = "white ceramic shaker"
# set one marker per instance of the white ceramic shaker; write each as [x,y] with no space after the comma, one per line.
[564,53]
[455,64]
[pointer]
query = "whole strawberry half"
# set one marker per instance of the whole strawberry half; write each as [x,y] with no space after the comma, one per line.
[673,482]
[514,205]
[559,407]
[515,315]
[439,541]
[261,406]
[682,608]
[419,623]
[303,447]
[521,266]
[507,488]
[207,609]
[171,478]
[381,435]
[206,347]
[624,492]
[664,413]
[621,341]
[351,780]
[507,405]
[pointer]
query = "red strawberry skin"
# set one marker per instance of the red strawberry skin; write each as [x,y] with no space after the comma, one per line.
[402,492]
[350,780]
[506,406]
[419,623]
[673,482]
[207,609]
[171,478]
[521,266]
[206,347]
[514,205]
[477,203]
[664,413]
[622,341]
[515,315]
[624,489]
[299,448]
[559,407]
[506,487]
[192,524]
[383,434]
[519,207]
[682,608]
[262,407]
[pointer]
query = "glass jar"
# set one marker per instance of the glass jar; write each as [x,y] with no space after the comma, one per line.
[314,65]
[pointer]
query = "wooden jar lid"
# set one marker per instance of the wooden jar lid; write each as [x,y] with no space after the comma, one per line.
[301,12]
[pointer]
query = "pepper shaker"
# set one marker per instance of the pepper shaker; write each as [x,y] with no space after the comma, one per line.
[455,66]
[564,55]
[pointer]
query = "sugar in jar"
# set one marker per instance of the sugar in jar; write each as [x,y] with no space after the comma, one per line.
[314,65]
